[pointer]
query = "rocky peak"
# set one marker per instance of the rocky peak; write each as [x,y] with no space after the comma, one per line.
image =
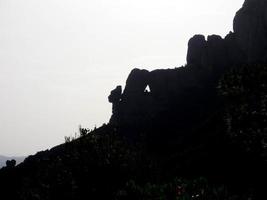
[196,47]
[207,60]
[250,27]
[136,83]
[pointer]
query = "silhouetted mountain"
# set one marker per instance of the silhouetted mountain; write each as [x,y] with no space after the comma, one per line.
[199,133]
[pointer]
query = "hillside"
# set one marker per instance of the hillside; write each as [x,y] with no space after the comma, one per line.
[199,133]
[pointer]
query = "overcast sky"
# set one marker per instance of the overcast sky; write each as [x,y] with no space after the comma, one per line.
[59,59]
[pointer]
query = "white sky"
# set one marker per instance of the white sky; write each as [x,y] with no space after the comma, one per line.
[59,59]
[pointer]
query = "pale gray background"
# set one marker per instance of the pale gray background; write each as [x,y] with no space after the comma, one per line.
[59,59]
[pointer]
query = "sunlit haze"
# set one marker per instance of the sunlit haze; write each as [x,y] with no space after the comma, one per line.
[59,59]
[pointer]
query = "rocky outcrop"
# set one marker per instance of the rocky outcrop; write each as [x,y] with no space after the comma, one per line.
[136,83]
[172,91]
[207,53]
[215,53]
[250,27]
[246,45]
[115,98]
[176,92]
[133,105]
[196,47]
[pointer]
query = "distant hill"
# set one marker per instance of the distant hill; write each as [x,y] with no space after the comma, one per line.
[3,160]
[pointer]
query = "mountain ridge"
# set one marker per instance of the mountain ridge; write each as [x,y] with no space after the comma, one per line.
[199,133]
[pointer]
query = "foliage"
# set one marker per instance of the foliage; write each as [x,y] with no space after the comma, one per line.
[82,132]
[245,93]
[105,164]
[10,163]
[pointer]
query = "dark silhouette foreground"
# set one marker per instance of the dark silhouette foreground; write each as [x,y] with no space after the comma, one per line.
[198,133]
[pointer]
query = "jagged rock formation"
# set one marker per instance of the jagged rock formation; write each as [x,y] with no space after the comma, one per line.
[189,131]
[115,98]
[173,89]
[250,28]
[207,53]
[174,93]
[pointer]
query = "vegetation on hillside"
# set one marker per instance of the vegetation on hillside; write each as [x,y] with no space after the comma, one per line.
[104,164]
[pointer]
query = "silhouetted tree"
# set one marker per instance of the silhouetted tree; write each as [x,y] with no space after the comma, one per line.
[10,163]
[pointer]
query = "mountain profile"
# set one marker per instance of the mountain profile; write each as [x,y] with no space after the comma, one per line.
[198,132]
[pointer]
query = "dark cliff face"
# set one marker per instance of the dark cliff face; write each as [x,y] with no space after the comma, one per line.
[186,128]
[187,94]
[250,27]
[207,60]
